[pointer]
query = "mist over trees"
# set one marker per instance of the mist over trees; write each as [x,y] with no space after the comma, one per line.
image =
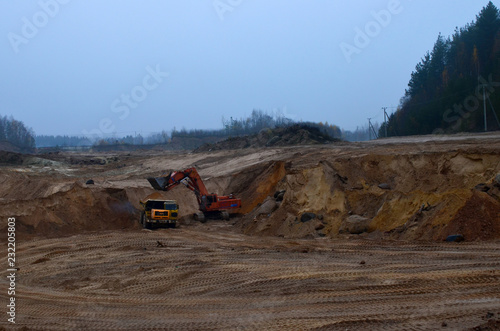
[445,92]
[257,121]
[16,133]
[193,138]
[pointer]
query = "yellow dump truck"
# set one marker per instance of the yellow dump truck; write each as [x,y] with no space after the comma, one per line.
[158,213]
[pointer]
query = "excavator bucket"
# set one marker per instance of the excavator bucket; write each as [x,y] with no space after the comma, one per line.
[158,183]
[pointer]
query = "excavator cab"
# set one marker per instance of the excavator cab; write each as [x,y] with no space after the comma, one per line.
[207,202]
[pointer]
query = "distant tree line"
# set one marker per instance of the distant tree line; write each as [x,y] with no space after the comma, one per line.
[16,133]
[257,121]
[78,141]
[190,139]
[445,92]
[127,140]
[197,133]
[61,141]
[231,127]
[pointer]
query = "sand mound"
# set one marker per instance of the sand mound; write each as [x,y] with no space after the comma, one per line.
[478,219]
[73,211]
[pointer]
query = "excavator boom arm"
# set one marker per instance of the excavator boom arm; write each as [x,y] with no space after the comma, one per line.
[192,180]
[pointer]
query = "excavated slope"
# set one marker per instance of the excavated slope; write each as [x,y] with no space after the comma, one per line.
[420,189]
[426,196]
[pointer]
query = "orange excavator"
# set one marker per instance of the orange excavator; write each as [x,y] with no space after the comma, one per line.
[211,205]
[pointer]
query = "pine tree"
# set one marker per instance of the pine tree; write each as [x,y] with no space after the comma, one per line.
[447,75]
[486,29]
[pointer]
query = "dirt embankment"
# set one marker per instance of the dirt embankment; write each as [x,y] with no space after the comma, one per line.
[426,197]
[413,191]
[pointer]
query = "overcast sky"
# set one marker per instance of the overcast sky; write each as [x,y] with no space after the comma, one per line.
[128,66]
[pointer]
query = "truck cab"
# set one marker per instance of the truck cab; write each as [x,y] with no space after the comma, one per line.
[159,213]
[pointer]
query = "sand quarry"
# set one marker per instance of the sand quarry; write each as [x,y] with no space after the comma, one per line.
[340,236]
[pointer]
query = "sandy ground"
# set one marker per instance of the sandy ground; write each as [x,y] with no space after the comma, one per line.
[85,264]
[207,277]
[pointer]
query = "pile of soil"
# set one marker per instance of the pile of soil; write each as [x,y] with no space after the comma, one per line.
[73,209]
[298,134]
[11,158]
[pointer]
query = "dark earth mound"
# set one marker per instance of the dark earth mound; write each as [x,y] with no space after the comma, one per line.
[11,158]
[298,134]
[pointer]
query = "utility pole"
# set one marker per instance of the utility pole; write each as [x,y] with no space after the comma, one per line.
[385,120]
[494,112]
[484,106]
[371,129]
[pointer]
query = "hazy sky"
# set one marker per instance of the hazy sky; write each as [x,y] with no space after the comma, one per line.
[130,66]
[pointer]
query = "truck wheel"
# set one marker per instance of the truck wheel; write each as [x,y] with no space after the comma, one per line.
[141,220]
[146,224]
